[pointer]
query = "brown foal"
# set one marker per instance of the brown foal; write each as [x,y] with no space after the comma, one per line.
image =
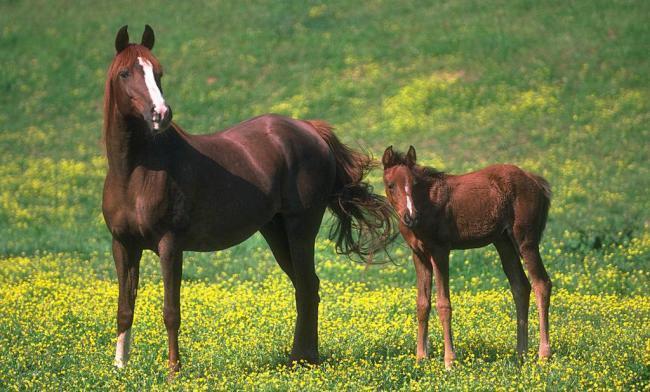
[501,205]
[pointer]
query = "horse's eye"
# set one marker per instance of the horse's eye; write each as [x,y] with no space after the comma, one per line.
[124,73]
[391,186]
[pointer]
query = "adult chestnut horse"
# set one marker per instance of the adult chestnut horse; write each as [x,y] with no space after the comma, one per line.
[169,191]
[501,205]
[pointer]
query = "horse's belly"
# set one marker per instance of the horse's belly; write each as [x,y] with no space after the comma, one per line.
[226,223]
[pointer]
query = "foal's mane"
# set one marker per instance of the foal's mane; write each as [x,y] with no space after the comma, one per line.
[123,59]
[419,171]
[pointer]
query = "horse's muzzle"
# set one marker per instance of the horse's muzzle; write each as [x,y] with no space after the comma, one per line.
[410,220]
[160,119]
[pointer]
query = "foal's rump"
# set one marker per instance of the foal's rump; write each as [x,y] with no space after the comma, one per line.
[530,199]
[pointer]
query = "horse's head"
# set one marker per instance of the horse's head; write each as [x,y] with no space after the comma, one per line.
[134,79]
[399,182]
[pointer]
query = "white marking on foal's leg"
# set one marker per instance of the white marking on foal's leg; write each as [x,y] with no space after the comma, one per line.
[409,201]
[122,349]
[154,92]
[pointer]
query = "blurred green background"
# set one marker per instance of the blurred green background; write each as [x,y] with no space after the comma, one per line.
[558,88]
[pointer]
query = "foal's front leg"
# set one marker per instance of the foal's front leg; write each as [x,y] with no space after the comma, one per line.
[171,262]
[440,263]
[423,273]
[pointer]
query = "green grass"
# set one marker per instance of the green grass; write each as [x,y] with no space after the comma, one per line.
[558,88]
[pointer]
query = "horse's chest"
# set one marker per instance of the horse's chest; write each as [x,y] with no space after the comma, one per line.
[149,211]
[145,209]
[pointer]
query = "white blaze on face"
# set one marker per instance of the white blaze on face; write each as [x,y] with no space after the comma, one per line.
[122,348]
[154,92]
[409,201]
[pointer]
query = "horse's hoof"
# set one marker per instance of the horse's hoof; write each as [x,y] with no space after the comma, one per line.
[172,376]
[174,371]
[304,359]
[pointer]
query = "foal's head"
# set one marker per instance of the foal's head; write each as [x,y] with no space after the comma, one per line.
[399,182]
[133,83]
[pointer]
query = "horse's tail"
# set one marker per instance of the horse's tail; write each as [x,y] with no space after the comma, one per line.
[364,219]
[545,199]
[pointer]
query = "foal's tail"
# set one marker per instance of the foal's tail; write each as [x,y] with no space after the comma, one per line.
[545,199]
[364,219]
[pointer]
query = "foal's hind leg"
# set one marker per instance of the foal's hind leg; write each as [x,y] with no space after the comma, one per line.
[520,288]
[542,287]
[301,232]
[127,265]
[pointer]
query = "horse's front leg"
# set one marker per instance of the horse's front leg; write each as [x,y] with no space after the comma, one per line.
[171,262]
[127,264]
[423,304]
[440,263]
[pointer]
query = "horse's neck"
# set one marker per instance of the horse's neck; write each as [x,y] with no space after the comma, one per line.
[125,144]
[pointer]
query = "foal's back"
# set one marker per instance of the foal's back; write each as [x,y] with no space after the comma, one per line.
[484,204]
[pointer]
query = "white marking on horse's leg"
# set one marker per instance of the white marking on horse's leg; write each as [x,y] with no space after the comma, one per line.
[122,349]
[409,201]
[154,92]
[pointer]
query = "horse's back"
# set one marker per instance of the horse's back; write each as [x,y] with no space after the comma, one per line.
[283,158]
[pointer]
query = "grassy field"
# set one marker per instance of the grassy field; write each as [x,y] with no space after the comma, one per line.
[559,88]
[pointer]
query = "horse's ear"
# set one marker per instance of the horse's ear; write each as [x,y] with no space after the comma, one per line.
[148,38]
[122,39]
[410,156]
[389,157]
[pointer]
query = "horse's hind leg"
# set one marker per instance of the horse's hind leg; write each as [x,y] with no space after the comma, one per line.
[127,265]
[275,235]
[542,288]
[301,232]
[520,288]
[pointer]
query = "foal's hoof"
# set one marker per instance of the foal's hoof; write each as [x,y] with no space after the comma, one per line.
[450,362]
[119,363]
[544,353]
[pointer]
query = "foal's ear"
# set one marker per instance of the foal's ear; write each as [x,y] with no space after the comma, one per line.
[389,157]
[410,156]
[122,39]
[148,38]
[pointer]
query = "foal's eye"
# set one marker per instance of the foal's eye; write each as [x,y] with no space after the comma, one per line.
[124,73]
[391,186]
